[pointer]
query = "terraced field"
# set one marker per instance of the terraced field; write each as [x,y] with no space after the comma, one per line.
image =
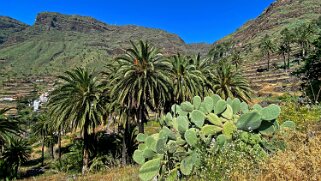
[14,89]
[275,82]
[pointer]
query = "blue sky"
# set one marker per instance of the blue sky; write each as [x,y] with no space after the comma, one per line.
[193,20]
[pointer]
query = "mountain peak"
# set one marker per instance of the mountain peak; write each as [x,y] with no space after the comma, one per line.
[57,21]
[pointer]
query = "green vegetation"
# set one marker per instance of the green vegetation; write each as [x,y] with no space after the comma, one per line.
[267,48]
[200,127]
[133,111]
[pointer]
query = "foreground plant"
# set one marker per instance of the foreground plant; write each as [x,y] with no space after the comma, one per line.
[176,151]
[76,103]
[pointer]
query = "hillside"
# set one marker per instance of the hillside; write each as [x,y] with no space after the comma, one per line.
[279,15]
[8,26]
[57,42]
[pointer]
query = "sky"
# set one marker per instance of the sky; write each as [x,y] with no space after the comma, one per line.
[193,20]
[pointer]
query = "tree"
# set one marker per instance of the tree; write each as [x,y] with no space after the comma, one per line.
[44,129]
[16,152]
[77,103]
[187,80]
[285,46]
[303,35]
[236,59]
[267,48]
[7,127]
[229,82]
[310,73]
[142,80]
[282,51]
[204,66]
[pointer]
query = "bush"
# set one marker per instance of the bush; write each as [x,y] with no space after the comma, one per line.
[300,161]
[234,159]
[194,129]
[71,161]
[302,115]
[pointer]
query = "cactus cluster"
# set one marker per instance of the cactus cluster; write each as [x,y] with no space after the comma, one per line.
[174,151]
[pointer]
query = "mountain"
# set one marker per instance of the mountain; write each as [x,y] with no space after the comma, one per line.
[57,42]
[279,15]
[9,26]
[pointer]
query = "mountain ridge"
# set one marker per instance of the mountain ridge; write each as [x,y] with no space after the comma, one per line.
[279,15]
[56,42]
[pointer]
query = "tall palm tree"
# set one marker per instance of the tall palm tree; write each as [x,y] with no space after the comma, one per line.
[267,48]
[285,45]
[187,79]
[40,129]
[282,50]
[303,36]
[228,82]
[7,127]
[16,152]
[77,103]
[204,66]
[142,80]
[44,130]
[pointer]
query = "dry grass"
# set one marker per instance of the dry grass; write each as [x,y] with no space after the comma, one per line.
[129,173]
[301,160]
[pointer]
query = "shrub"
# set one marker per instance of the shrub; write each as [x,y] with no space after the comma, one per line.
[302,115]
[192,128]
[71,161]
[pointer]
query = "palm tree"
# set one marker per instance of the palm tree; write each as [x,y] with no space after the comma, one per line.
[187,80]
[142,80]
[236,59]
[267,48]
[77,103]
[40,129]
[7,127]
[204,65]
[282,50]
[44,130]
[285,46]
[303,35]
[16,152]
[228,82]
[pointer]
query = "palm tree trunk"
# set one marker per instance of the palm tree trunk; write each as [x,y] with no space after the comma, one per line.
[284,61]
[268,61]
[124,145]
[289,60]
[59,144]
[140,119]
[43,150]
[85,160]
[16,169]
[52,150]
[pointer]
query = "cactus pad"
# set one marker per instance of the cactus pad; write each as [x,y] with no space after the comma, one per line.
[249,121]
[271,112]
[220,107]
[214,119]
[198,118]
[150,169]
[187,107]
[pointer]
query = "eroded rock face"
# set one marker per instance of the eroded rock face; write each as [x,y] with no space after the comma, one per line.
[8,26]
[57,21]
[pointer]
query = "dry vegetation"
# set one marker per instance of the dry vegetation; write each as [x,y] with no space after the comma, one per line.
[129,173]
[300,161]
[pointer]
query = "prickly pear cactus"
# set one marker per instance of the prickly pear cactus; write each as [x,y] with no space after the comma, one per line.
[211,122]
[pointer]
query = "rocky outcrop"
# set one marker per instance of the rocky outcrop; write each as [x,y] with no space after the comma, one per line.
[9,26]
[56,21]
